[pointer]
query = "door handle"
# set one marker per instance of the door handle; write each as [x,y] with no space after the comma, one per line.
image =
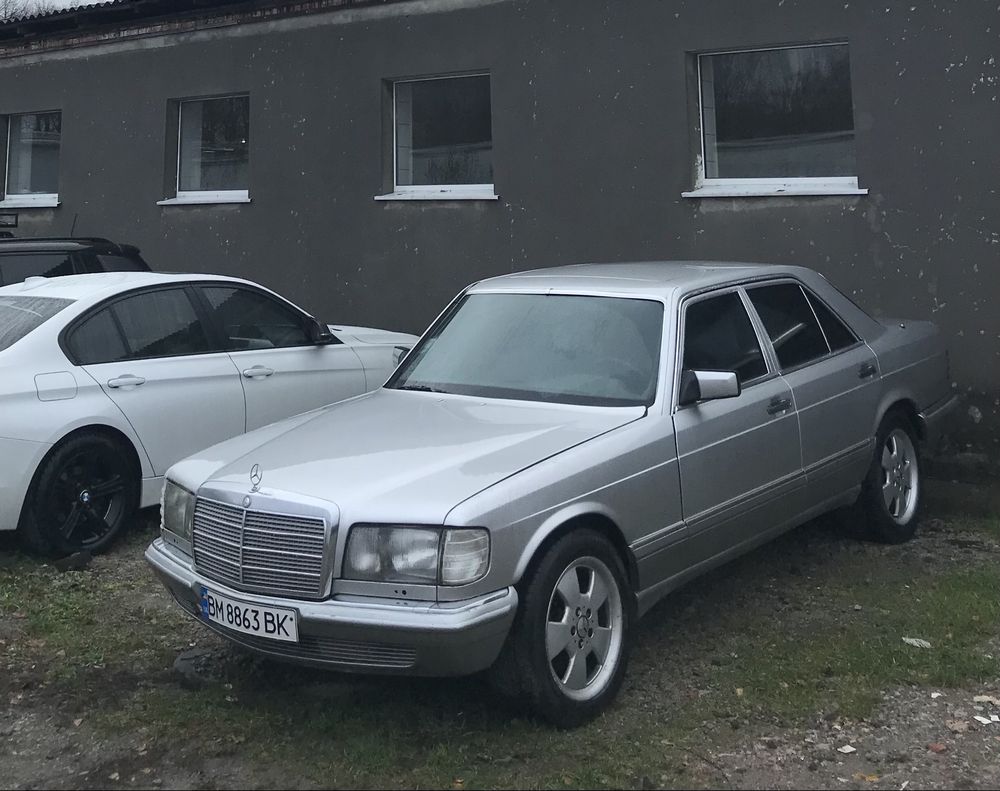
[127,380]
[867,371]
[779,405]
[258,372]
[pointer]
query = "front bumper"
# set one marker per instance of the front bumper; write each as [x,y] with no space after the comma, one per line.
[361,634]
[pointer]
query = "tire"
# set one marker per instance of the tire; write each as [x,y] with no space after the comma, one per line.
[891,493]
[584,675]
[83,495]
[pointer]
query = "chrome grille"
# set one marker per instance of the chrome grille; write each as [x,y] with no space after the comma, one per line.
[259,550]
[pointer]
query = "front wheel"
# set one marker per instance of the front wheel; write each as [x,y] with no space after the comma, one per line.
[568,649]
[891,492]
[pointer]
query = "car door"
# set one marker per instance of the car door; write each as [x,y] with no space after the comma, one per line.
[834,377]
[150,353]
[283,372]
[739,458]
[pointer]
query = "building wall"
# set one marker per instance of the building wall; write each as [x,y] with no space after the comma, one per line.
[594,130]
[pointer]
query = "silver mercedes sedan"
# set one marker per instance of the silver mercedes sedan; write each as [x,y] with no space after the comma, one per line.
[560,450]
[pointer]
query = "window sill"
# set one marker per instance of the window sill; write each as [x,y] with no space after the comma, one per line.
[30,202]
[206,198]
[442,193]
[775,188]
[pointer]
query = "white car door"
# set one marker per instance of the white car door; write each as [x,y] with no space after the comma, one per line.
[151,354]
[283,372]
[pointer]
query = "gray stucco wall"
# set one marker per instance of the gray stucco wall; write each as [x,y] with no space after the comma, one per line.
[594,128]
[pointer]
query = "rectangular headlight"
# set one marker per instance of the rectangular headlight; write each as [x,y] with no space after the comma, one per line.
[177,511]
[416,555]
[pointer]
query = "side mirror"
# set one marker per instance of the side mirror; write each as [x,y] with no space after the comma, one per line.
[319,334]
[399,354]
[707,386]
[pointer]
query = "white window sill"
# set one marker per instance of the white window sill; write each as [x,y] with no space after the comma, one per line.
[769,188]
[205,198]
[30,202]
[472,192]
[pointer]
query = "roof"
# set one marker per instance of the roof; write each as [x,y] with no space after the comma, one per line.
[80,25]
[648,278]
[94,287]
[57,244]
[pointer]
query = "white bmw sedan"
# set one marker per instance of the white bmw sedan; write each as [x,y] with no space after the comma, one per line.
[108,379]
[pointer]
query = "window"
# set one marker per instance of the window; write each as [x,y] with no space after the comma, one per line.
[213,151]
[251,320]
[718,336]
[33,143]
[777,121]
[97,340]
[154,324]
[20,266]
[790,323]
[838,336]
[443,138]
[21,315]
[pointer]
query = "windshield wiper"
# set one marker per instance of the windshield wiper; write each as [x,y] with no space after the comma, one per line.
[420,388]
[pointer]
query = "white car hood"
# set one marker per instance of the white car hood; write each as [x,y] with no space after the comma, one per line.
[392,455]
[371,335]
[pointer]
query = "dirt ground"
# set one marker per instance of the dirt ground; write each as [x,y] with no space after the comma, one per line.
[785,669]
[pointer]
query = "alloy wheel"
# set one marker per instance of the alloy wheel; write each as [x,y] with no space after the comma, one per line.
[900,476]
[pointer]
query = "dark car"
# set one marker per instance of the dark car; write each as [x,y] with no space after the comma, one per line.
[24,258]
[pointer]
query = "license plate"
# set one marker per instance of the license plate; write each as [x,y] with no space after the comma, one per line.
[272,622]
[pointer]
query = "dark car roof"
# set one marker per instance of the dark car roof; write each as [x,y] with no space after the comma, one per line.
[61,244]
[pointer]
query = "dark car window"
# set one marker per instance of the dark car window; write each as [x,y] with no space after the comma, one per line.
[19,315]
[119,263]
[16,267]
[252,320]
[97,340]
[837,334]
[718,336]
[161,324]
[790,323]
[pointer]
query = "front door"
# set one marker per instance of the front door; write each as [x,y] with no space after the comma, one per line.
[282,371]
[740,464]
[150,354]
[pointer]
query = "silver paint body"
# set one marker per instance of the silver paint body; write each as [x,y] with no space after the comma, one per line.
[680,489]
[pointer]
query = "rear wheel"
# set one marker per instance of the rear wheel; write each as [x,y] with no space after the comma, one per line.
[83,495]
[568,650]
[890,496]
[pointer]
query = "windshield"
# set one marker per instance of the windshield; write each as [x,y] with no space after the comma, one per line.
[601,351]
[21,315]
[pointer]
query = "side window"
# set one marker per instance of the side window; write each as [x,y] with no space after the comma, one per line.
[97,340]
[251,320]
[718,336]
[837,334]
[161,324]
[15,268]
[790,323]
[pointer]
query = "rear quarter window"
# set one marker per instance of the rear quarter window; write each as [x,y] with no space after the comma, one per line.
[20,316]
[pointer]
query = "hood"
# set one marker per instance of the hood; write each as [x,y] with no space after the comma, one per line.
[371,335]
[392,455]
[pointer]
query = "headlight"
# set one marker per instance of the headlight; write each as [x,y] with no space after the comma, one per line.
[177,511]
[416,555]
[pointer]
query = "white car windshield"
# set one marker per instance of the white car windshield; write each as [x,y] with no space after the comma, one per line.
[21,315]
[601,351]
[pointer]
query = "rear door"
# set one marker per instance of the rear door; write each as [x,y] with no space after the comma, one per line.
[834,377]
[282,371]
[151,354]
[739,458]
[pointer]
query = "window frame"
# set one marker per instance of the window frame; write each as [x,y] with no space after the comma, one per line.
[806,293]
[200,197]
[767,352]
[37,200]
[436,191]
[706,187]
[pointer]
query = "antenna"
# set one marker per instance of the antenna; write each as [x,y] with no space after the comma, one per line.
[73,227]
